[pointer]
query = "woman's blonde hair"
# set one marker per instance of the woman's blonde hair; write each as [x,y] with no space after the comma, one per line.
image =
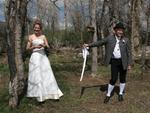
[37,22]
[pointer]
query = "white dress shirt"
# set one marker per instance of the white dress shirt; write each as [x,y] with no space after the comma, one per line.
[116,52]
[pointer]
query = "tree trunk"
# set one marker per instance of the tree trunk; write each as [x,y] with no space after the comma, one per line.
[100,29]
[65,15]
[15,18]
[113,14]
[94,50]
[143,56]
[135,35]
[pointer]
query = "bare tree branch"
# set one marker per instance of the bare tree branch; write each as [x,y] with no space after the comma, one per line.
[54,3]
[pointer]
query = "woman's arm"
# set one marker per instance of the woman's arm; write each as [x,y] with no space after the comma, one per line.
[29,44]
[46,42]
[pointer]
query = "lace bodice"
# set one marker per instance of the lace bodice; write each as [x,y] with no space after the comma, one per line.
[37,42]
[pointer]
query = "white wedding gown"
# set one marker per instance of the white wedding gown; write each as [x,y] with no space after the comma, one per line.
[41,80]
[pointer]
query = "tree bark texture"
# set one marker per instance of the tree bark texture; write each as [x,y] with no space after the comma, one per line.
[15,18]
[94,50]
[135,32]
[144,54]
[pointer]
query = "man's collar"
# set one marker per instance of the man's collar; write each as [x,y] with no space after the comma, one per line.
[118,37]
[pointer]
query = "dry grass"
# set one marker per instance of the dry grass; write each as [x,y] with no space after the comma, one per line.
[67,69]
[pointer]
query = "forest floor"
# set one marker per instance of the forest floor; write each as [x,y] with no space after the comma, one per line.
[81,97]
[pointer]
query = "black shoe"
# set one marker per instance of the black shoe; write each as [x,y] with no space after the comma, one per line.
[106,100]
[120,98]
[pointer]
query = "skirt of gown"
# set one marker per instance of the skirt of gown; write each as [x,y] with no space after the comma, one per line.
[41,81]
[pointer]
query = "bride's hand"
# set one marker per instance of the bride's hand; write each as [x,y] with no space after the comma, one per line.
[34,47]
[42,45]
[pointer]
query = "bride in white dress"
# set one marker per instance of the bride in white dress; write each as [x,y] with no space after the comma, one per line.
[41,80]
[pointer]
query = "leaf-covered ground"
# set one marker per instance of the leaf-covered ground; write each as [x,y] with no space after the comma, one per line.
[82,97]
